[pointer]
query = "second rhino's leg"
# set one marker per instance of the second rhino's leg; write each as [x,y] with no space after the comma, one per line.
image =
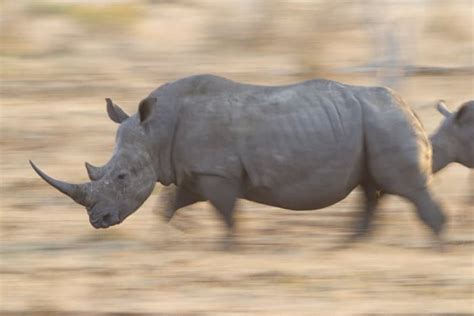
[174,198]
[222,193]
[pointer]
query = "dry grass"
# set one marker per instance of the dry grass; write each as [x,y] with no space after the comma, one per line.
[53,263]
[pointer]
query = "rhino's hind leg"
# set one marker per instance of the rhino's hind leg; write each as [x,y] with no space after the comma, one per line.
[406,173]
[428,210]
[222,193]
[413,186]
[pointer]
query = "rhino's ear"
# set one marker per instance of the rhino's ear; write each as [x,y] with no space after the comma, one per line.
[443,108]
[116,114]
[461,115]
[145,109]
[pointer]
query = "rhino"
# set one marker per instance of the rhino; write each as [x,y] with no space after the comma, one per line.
[303,146]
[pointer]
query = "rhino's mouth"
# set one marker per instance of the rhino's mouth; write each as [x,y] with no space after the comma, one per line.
[103,219]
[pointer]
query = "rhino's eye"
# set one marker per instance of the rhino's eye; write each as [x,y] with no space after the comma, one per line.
[121,176]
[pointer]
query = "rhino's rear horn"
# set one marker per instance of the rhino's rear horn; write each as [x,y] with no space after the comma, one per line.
[78,192]
[94,173]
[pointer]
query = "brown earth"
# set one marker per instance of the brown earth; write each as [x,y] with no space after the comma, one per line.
[287,263]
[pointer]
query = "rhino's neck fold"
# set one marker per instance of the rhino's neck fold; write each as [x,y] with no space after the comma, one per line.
[163,166]
[441,152]
[162,128]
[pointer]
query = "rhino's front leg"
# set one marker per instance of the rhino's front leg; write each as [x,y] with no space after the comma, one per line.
[222,193]
[173,198]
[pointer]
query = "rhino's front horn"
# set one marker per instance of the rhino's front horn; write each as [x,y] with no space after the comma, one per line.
[94,173]
[443,108]
[78,192]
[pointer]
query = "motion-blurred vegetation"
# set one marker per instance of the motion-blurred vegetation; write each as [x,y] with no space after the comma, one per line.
[303,35]
[106,18]
[59,59]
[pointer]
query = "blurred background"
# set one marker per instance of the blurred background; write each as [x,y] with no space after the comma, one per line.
[60,59]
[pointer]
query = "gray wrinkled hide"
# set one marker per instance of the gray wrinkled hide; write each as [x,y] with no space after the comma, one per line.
[453,141]
[302,147]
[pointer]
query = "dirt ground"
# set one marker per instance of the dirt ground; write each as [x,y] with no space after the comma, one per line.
[52,262]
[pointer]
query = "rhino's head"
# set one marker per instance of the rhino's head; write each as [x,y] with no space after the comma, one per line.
[454,139]
[121,186]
